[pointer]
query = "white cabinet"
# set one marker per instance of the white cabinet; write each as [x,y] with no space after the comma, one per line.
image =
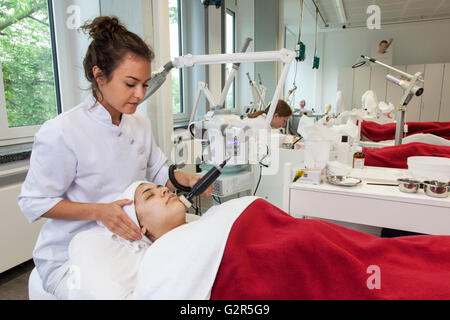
[345,84]
[378,83]
[431,100]
[17,235]
[444,111]
[361,83]
[415,105]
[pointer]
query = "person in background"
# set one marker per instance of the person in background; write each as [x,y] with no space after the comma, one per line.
[302,104]
[383,54]
[280,117]
[384,45]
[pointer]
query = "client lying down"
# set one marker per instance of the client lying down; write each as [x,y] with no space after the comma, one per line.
[248,249]
[105,266]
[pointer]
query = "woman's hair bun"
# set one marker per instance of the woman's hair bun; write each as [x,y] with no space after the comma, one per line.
[111,41]
[104,28]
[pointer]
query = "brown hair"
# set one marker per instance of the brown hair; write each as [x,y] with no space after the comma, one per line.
[283,110]
[111,42]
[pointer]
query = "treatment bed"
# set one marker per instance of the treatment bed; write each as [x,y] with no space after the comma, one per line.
[35,287]
[373,131]
[268,254]
[397,156]
[249,249]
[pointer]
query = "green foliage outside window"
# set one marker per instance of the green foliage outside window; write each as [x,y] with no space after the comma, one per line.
[27,63]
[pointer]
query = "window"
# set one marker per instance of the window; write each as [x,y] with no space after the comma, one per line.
[176,50]
[28,81]
[230,48]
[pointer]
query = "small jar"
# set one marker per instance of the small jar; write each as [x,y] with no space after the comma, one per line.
[358,158]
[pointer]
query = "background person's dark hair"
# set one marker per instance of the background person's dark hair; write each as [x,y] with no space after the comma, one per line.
[383,41]
[283,110]
[111,41]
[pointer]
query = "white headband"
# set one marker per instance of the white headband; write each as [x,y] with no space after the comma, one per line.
[129,194]
[131,212]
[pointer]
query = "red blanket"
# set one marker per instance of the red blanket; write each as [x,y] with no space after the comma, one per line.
[396,156]
[271,255]
[380,132]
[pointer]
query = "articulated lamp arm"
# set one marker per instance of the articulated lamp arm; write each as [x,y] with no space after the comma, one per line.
[412,86]
[189,60]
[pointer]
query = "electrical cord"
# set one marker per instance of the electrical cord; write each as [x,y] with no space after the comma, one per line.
[259,180]
[174,181]
[217,199]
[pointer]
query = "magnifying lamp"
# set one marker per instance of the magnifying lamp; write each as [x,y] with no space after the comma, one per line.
[412,86]
[359,64]
[158,79]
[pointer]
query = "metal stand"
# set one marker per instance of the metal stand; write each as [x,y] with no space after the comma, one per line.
[412,86]
[401,112]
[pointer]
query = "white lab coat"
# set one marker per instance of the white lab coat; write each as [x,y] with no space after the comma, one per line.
[81,156]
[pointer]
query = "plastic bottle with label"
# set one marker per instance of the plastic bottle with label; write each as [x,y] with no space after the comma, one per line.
[358,158]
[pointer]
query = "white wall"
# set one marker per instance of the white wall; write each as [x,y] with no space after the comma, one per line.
[307,80]
[414,43]
[245,28]
[266,14]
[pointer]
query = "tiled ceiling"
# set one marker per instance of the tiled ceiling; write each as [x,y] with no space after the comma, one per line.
[392,11]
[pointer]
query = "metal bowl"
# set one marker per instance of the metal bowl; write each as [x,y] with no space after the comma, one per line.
[408,185]
[436,189]
[343,181]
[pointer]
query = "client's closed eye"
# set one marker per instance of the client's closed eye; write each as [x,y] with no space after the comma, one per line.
[151,193]
[149,196]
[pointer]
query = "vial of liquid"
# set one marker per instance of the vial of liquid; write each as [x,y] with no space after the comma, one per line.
[358,158]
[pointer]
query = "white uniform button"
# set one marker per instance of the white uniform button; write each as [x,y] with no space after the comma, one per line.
[132,141]
[120,133]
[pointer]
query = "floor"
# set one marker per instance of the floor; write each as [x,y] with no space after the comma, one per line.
[14,282]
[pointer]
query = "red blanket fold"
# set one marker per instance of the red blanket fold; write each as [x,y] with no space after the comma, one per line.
[397,156]
[271,255]
[380,132]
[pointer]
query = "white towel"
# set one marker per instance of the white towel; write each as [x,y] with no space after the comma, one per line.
[183,263]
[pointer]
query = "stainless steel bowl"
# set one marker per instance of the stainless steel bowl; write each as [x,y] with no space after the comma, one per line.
[343,181]
[408,185]
[436,189]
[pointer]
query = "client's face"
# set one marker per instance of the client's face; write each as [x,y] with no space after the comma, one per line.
[158,210]
[382,47]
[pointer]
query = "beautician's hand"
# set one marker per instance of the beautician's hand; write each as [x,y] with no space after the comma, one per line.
[193,180]
[117,221]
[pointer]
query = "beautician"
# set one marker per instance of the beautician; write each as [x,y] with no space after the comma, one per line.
[84,158]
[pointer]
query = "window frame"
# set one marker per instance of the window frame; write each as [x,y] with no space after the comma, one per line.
[182,116]
[25,134]
[233,86]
